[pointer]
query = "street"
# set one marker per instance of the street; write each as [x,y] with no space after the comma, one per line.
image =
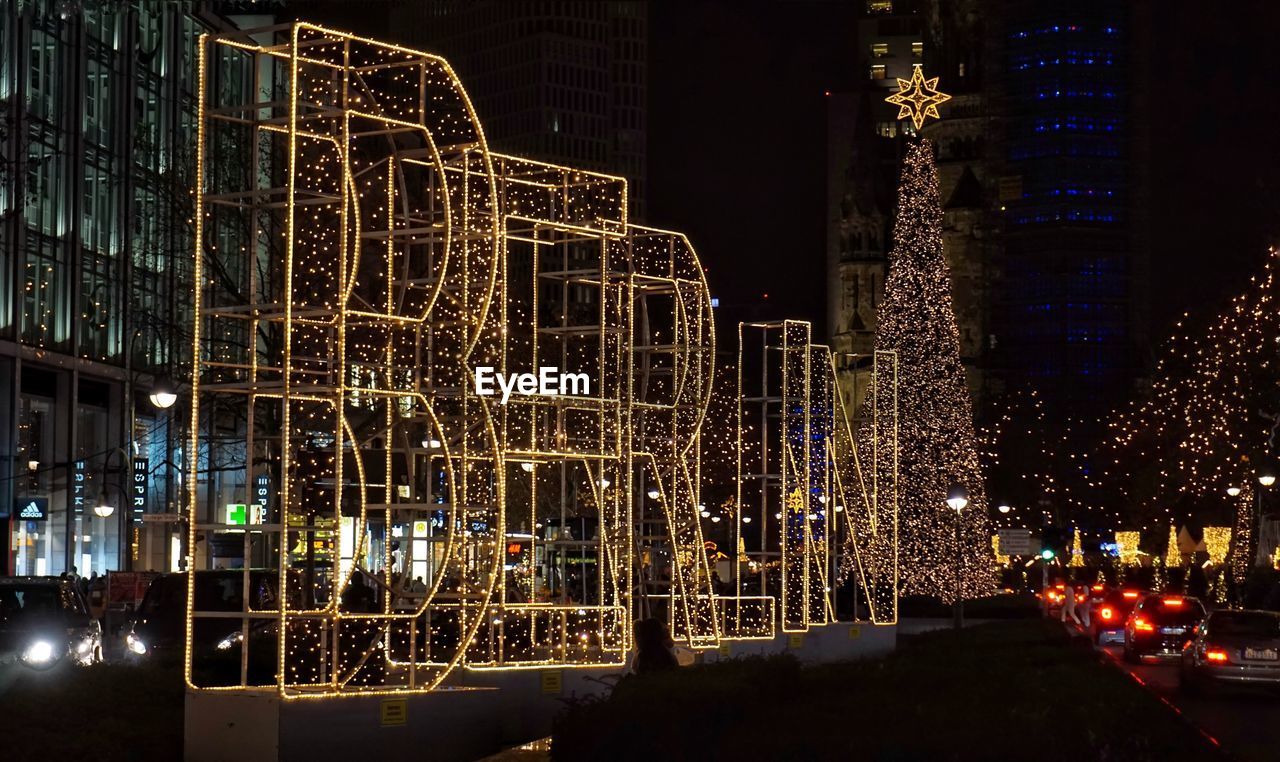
[1242,722]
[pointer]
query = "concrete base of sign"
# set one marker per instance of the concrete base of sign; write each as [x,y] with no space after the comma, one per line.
[492,711]
[841,641]
[449,724]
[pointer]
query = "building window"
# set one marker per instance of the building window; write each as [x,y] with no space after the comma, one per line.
[44,312]
[879,6]
[45,191]
[42,75]
[879,50]
[97,104]
[877,71]
[100,314]
[917,50]
[98,212]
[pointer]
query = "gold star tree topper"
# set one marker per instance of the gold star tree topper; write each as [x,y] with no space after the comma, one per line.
[918,97]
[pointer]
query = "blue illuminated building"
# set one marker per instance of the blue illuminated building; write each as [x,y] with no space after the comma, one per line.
[1070,312]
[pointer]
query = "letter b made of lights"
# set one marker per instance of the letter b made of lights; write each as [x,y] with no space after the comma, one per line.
[360,253]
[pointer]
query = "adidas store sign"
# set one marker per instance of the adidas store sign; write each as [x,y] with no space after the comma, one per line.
[32,508]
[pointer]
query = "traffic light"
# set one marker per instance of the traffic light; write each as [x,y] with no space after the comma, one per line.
[1053,539]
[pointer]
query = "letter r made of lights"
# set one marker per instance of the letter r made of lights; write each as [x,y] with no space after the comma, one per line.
[360,253]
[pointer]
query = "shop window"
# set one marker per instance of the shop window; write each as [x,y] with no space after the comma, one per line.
[39,544]
[96,537]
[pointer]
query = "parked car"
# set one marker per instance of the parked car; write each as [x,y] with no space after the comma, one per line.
[1161,625]
[1240,647]
[44,622]
[1109,616]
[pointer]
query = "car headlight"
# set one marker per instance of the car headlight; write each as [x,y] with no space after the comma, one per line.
[83,638]
[231,641]
[135,644]
[39,653]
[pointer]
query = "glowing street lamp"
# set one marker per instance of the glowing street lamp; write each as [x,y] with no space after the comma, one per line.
[163,393]
[958,500]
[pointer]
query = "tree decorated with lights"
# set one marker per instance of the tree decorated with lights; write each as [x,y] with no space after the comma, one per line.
[1208,421]
[937,442]
[1172,553]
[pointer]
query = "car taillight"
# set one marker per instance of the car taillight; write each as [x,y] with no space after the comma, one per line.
[1107,613]
[1174,602]
[1143,625]
[1216,654]
[1131,594]
[1097,588]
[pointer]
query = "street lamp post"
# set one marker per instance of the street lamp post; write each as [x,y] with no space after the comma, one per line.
[957,499]
[1266,478]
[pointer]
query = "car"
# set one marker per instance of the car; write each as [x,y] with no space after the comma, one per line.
[44,622]
[218,659]
[1053,596]
[1160,625]
[158,631]
[1109,615]
[1233,646]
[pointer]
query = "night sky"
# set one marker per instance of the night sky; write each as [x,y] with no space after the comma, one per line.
[737,143]
[1215,156]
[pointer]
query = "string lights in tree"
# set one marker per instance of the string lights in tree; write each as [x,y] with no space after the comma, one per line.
[1241,557]
[1203,427]
[1127,544]
[1172,554]
[1217,542]
[937,442]
[1077,551]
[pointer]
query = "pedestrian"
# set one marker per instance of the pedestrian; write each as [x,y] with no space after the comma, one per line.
[653,648]
[1069,604]
[1085,609]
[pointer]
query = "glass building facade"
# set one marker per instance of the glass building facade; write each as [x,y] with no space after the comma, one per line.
[97,119]
[1070,319]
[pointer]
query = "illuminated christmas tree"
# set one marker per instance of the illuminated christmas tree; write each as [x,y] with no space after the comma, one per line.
[1077,552]
[1172,554]
[935,416]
